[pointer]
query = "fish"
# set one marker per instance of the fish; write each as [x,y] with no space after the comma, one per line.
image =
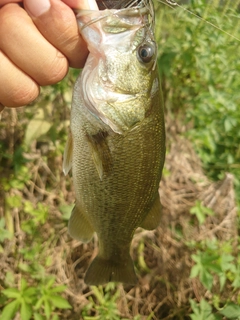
[116,143]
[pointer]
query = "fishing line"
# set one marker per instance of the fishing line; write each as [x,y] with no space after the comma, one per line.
[171,3]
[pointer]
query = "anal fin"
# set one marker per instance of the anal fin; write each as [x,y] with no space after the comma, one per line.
[79,226]
[153,218]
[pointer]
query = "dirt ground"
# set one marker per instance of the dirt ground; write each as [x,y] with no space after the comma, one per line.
[162,257]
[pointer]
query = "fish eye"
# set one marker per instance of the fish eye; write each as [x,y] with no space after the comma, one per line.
[146,52]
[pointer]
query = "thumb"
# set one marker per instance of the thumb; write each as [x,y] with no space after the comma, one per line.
[57,23]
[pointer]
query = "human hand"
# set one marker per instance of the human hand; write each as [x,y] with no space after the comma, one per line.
[39,39]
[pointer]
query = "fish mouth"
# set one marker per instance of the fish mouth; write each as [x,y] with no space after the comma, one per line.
[120,13]
[116,4]
[121,10]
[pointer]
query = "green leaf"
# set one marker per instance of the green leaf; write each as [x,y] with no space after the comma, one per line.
[231,311]
[58,289]
[28,207]
[23,284]
[195,271]
[37,316]
[214,267]
[66,211]
[201,212]
[37,126]
[10,310]
[4,234]
[9,279]
[14,201]
[203,311]
[226,261]
[26,311]
[59,302]
[50,282]
[2,223]
[24,267]
[39,303]
[207,279]
[31,292]
[205,264]
[11,293]
[236,282]
[47,309]
[222,280]
[205,307]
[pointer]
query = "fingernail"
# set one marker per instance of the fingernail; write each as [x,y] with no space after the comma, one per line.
[37,7]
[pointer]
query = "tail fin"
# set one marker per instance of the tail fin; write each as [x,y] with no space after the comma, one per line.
[102,271]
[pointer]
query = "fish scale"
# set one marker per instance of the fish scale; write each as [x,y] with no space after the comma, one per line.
[116,152]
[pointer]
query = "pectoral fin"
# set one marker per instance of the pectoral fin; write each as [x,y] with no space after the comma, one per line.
[67,156]
[79,226]
[152,220]
[100,152]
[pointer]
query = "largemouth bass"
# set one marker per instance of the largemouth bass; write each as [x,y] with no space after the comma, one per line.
[116,147]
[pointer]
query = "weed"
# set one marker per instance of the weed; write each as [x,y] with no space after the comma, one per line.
[34,301]
[199,68]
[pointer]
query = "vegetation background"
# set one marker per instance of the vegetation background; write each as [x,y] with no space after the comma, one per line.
[189,268]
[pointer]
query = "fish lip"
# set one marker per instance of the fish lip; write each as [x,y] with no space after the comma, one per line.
[129,11]
[137,11]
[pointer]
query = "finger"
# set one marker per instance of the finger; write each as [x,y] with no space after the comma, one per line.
[57,23]
[3,2]
[25,46]
[82,4]
[16,88]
